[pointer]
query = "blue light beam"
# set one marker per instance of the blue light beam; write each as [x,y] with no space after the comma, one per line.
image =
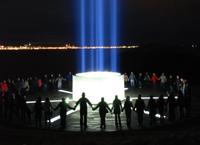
[83,35]
[113,35]
[94,15]
[92,34]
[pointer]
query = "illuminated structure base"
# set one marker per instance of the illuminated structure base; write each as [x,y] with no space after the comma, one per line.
[97,85]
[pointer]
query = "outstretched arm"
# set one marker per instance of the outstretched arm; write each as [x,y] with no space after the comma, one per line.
[135,106]
[70,107]
[77,104]
[57,106]
[89,103]
[108,108]
[112,108]
[132,106]
[123,109]
[95,107]
[144,105]
[121,106]
[51,106]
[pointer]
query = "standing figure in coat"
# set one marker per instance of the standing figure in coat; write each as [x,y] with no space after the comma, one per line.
[103,109]
[161,107]
[152,110]
[117,107]
[83,101]
[139,107]
[38,112]
[47,111]
[63,112]
[128,107]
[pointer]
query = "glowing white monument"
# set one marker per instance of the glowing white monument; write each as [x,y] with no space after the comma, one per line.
[97,85]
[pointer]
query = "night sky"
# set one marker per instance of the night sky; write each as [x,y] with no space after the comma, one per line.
[142,21]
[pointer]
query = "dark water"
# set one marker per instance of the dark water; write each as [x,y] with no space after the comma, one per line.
[31,63]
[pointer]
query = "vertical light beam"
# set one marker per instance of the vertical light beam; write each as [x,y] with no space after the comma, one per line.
[83,34]
[113,35]
[101,34]
[93,29]
[99,30]
[92,32]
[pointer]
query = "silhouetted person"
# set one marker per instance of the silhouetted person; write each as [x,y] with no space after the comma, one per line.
[181,104]
[163,81]
[39,84]
[83,101]
[126,79]
[117,108]
[1,105]
[51,82]
[69,80]
[38,112]
[11,105]
[6,105]
[128,107]
[152,110]
[132,79]
[63,112]
[178,83]
[147,80]
[35,86]
[103,109]
[171,107]
[161,105]
[154,80]
[28,111]
[25,111]
[45,83]
[47,111]
[188,98]
[139,107]
[171,84]
[140,80]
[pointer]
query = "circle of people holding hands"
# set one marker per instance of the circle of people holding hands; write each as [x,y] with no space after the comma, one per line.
[11,91]
[156,108]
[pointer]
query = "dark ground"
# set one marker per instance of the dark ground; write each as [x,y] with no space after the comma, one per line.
[182,132]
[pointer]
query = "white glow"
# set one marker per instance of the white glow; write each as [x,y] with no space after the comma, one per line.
[97,85]
[125,89]
[157,115]
[52,101]
[67,100]
[98,74]
[58,117]
[64,91]
[30,102]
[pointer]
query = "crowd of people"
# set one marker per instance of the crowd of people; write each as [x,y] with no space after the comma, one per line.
[13,100]
[167,84]
[13,93]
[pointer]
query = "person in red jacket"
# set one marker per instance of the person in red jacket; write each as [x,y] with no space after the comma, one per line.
[39,82]
[4,87]
[154,79]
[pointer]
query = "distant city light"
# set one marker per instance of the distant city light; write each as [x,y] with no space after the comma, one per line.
[30,47]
